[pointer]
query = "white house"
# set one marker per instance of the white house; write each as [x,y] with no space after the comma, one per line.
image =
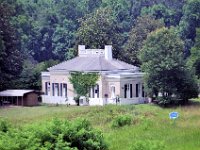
[117,79]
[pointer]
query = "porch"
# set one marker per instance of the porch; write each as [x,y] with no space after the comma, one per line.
[93,101]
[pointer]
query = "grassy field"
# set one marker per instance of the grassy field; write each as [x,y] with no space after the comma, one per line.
[150,122]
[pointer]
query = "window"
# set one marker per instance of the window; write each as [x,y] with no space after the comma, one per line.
[128,93]
[94,91]
[125,91]
[131,91]
[137,90]
[97,91]
[143,93]
[47,88]
[91,92]
[55,89]
[65,89]
[61,88]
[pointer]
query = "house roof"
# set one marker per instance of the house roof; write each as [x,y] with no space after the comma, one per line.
[15,92]
[92,64]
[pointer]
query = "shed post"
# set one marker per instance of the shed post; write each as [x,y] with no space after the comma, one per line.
[17,100]
[22,100]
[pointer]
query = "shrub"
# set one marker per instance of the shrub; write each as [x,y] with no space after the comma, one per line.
[121,121]
[148,145]
[54,135]
[4,125]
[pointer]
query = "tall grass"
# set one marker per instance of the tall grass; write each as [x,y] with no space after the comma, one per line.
[149,123]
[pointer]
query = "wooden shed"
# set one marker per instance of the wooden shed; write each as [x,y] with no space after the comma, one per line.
[19,97]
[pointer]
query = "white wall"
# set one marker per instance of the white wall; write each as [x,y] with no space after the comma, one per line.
[96,101]
[57,100]
[135,100]
[93,101]
[126,101]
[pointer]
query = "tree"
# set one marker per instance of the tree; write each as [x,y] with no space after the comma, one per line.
[30,77]
[47,27]
[99,29]
[82,82]
[143,26]
[190,20]
[194,59]
[10,57]
[169,16]
[121,11]
[63,39]
[165,68]
[188,24]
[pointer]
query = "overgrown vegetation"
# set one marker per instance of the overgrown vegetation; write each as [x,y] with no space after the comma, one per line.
[148,145]
[82,82]
[150,123]
[166,70]
[54,135]
[121,121]
[4,125]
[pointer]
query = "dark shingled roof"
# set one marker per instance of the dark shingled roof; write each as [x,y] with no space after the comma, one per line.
[92,64]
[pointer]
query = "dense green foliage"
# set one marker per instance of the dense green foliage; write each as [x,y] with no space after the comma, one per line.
[151,124]
[82,82]
[148,145]
[194,59]
[10,57]
[166,70]
[31,74]
[100,29]
[144,26]
[121,121]
[53,135]
[4,125]
[37,31]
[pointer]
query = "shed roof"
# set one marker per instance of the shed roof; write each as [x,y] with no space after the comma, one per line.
[15,92]
[92,64]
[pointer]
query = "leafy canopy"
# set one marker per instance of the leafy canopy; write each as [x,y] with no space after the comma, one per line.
[194,59]
[138,34]
[190,20]
[10,56]
[166,70]
[99,29]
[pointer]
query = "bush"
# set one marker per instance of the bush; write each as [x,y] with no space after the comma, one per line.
[148,145]
[4,125]
[54,135]
[121,121]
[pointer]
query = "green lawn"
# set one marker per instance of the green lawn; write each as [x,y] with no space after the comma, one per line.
[150,122]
